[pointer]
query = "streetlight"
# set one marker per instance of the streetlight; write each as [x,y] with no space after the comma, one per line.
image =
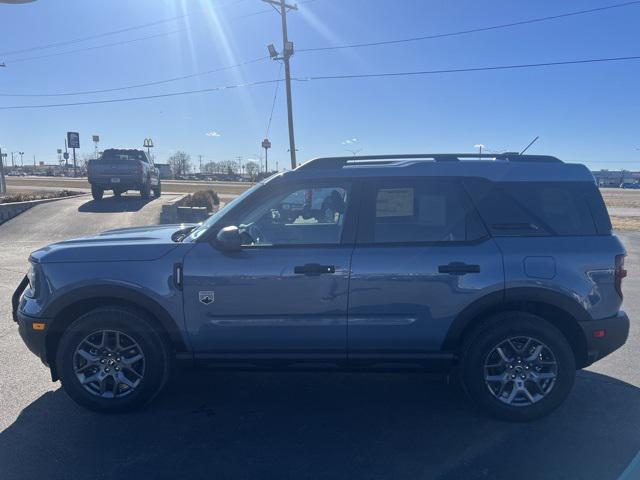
[480,147]
[21,162]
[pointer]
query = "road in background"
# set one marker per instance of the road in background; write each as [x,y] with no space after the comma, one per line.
[294,425]
[225,190]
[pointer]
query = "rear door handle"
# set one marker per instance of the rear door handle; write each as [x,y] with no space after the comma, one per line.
[458,268]
[313,269]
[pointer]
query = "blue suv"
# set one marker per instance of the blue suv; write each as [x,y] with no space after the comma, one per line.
[502,268]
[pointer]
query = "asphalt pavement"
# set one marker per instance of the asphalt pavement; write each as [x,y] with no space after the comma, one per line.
[295,425]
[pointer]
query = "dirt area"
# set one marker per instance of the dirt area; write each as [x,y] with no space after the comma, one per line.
[619,197]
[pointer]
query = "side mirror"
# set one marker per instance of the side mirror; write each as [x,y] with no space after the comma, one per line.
[229,239]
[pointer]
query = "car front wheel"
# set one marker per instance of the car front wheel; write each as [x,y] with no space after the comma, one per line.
[517,367]
[112,359]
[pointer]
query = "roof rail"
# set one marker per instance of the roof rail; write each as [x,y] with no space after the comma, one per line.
[339,162]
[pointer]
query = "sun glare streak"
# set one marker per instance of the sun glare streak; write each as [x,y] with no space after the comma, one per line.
[328,34]
[220,35]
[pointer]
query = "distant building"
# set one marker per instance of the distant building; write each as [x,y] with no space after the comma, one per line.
[613,178]
[165,171]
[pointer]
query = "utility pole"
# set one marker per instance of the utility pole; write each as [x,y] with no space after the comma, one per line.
[200,158]
[239,158]
[287,52]
[21,156]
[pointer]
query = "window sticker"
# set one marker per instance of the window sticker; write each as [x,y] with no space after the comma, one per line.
[394,202]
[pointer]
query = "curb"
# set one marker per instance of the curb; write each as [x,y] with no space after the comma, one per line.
[11,210]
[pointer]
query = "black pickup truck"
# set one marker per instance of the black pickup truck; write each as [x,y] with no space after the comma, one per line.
[121,170]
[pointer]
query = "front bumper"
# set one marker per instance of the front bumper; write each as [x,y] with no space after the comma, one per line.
[34,339]
[616,332]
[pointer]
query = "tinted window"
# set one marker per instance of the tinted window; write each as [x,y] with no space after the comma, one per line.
[124,155]
[402,211]
[535,208]
[296,216]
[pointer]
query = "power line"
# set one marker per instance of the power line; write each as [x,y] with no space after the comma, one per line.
[472,30]
[160,82]
[330,77]
[97,47]
[138,85]
[471,69]
[107,34]
[145,97]
[91,37]
[273,105]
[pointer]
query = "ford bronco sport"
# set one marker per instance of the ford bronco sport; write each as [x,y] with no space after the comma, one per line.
[502,268]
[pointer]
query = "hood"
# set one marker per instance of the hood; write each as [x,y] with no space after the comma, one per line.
[120,245]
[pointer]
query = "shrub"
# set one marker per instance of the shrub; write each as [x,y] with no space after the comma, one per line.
[28,196]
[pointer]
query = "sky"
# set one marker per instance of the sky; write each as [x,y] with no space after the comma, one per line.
[586,113]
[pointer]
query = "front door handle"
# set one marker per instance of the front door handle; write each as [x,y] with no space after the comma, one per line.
[458,268]
[313,269]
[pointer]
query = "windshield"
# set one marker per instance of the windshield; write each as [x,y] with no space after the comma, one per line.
[201,229]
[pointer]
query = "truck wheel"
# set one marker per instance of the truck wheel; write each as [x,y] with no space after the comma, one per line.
[157,191]
[97,193]
[517,367]
[145,191]
[113,360]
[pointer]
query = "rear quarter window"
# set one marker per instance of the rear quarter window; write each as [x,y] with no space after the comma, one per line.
[540,208]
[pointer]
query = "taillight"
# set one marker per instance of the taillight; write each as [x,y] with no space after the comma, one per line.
[619,273]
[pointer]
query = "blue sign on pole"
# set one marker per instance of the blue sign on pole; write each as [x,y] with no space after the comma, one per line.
[73,139]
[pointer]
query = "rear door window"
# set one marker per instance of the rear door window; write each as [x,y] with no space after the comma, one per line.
[418,211]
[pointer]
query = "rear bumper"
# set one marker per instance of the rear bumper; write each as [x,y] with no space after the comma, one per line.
[126,182]
[616,332]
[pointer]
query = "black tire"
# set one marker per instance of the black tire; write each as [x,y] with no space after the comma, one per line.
[145,190]
[97,193]
[157,191]
[117,193]
[156,361]
[475,354]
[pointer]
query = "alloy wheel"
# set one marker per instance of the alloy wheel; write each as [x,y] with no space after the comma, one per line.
[520,371]
[109,364]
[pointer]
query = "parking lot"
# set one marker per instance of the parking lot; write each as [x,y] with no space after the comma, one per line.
[295,425]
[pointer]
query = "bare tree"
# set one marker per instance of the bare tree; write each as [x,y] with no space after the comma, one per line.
[252,168]
[230,167]
[180,163]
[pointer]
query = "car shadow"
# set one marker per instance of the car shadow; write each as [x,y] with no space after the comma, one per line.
[112,204]
[334,426]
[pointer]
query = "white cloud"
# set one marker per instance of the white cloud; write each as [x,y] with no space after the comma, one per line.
[212,133]
[350,141]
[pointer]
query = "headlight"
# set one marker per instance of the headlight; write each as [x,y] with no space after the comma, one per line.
[31,276]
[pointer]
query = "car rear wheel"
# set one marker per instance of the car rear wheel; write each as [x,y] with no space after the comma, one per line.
[517,367]
[157,191]
[97,193]
[112,360]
